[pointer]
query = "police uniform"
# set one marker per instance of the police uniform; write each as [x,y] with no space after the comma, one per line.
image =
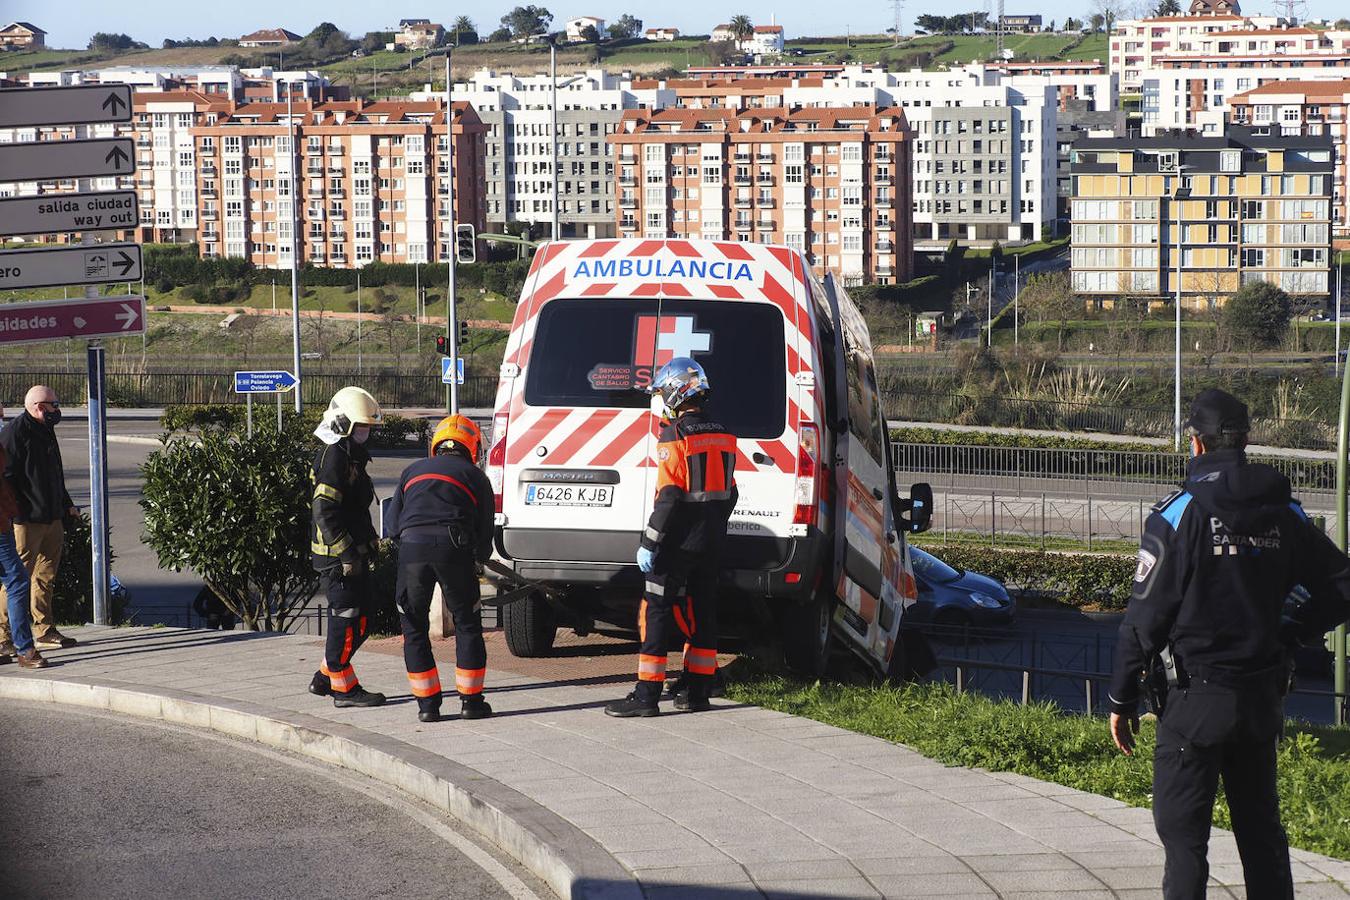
[1216,562]
[695,495]
[343,536]
[442,514]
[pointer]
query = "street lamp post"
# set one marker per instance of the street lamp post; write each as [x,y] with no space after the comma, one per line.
[1181,193]
[553,129]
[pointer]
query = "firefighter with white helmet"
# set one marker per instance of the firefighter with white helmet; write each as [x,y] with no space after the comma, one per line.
[681,547]
[343,539]
[442,514]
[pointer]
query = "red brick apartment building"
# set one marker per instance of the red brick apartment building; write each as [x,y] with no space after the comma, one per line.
[834,183]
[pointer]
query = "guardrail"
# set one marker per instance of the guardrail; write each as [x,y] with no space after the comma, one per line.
[155,389]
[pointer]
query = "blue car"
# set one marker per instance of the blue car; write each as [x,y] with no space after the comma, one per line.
[955,598]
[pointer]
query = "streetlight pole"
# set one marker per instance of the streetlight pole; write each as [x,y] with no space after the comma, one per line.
[553,127]
[295,255]
[451,314]
[1181,193]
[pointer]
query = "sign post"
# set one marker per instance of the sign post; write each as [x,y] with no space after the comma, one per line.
[276,382]
[87,264]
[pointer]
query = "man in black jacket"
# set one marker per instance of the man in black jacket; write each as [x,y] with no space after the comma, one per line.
[442,514]
[38,479]
[343,540]
[1216,561]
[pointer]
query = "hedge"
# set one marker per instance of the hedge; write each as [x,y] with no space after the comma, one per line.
[1083,580]
[955,438]
[395,432]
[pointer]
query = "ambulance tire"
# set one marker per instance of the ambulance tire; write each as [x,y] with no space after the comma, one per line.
[806,637]
[530,626]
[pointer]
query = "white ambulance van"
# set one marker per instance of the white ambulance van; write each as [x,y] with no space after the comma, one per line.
[816,544]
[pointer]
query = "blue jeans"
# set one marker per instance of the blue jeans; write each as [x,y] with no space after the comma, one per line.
[15,579]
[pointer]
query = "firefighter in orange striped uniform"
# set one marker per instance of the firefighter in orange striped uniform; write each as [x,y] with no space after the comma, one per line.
[343,539]
[681,546]
[442,513]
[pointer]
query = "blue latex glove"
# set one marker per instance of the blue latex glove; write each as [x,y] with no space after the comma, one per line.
[646,559]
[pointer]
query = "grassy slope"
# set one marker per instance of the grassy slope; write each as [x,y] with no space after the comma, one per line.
[1041,742]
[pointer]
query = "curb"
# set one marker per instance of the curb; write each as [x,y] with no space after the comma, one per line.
[134,439]
[569,861]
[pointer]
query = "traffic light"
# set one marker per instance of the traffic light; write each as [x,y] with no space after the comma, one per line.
[465,252]
[463,332]
[442,345]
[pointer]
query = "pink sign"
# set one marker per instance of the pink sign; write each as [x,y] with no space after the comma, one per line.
[59,319]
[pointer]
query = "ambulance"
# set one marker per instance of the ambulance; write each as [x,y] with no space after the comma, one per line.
[816,546]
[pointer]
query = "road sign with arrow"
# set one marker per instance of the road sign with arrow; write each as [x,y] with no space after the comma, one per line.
[76,264]
[89,104]
[104,317]
[67,159]
[61,213]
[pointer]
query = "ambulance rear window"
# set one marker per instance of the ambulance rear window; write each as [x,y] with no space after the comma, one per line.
[595,353]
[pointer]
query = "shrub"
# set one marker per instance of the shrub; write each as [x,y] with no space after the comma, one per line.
[1095,580]
[237,513]
[73,593]
[202,418]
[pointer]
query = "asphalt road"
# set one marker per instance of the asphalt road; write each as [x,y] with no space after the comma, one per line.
[102,806]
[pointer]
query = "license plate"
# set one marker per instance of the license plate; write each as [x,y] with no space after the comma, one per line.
[569,494]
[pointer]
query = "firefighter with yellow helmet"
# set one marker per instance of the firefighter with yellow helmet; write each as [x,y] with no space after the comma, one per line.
[343,539]
[442,514]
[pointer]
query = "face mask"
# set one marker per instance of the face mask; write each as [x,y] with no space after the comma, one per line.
[52,417]
[360,433]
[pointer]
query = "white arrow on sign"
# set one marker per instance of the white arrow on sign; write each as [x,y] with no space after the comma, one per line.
[127,316]
[62,213]
[88,104]
[67,159]
[75,264]
[79,322]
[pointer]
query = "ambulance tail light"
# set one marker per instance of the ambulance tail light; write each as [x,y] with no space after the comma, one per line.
[806,497]
[496,459]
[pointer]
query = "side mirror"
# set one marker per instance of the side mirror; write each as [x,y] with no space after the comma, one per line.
[916,512]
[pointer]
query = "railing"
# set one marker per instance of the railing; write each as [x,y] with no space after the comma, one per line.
[156,389]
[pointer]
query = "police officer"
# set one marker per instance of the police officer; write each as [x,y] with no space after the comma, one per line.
[343,539]
[1216,561]
[442,514]
[680,551]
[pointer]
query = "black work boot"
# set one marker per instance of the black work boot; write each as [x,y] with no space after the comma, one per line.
[675,686]
[429,715]
[320,685]
[474,707]
[693,700]
[633,705]
[357,696]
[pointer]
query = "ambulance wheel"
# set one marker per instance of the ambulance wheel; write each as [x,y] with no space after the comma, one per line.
[806,637]
[530,626]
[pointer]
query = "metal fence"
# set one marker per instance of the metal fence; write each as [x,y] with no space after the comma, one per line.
[152,388]
[1100,474]
[1038,521]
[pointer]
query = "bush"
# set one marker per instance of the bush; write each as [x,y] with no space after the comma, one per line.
[950,437]
[202,418]
[73,593]
[396,432]
[1084,580]
[237,512]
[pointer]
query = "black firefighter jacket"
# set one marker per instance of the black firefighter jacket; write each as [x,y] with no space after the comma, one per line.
[343,492]
[443,491]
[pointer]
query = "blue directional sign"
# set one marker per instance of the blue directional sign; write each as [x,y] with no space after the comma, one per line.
[445,370]
[263,382]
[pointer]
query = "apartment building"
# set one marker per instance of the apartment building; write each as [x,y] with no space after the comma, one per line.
[519,154]
[834,183]
[1250,206]
[1139,44]
[1193,93]
[228,82]
[372,181]
[1309,108]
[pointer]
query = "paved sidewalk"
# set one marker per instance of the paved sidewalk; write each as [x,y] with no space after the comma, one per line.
[736,803]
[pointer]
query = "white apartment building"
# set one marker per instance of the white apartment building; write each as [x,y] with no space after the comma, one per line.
[227,82]
[519,164]
[1139,44]
[1188,95]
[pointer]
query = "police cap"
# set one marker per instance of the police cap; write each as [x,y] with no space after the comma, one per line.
[1218,412]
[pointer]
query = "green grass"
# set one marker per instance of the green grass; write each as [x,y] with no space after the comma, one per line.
[934,541]
[1042,742]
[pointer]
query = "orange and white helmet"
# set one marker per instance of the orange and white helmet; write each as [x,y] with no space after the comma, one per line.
[459,431]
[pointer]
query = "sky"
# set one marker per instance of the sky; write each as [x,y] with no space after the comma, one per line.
[69,23]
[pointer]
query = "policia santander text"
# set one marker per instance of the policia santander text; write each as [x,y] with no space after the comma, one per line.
[442,515]
[680,554]
[1216,562]
[343,539]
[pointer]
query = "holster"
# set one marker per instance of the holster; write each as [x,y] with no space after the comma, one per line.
[460,537]
[1164,673]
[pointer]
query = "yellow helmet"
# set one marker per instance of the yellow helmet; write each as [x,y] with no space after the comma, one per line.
[460,431]
[350,407]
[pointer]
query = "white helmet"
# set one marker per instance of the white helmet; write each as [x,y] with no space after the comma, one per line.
[350,407]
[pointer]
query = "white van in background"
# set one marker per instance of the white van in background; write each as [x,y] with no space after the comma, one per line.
[816,544]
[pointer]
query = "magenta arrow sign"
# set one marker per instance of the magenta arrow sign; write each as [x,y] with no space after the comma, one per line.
[58,319]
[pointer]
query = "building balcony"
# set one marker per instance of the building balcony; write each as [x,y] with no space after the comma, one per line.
[742,225]
[767,203]
[765,225]
[741,179]
[764,157]
[885,269]
[146,142]
[885,247]
[742,156]
[208,169]
[883,223]
[338,235]
[336,150]
[628,202]
[209,215]
[744,202]
[335,170]
[317,238]
[882,180]
[208,193]
[764,180]
[210,236]
[337,193]
[628,180]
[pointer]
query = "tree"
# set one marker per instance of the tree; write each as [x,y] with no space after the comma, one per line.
[499,36]
[1049,298]
[525,21]
[236,512]
[720,52]
[741,28]
[108,42]
[1257,317]
[626,28]
[463,25]
[1343,24]
[1167,8]
[590,35]
[1071,24]
[1096,21]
